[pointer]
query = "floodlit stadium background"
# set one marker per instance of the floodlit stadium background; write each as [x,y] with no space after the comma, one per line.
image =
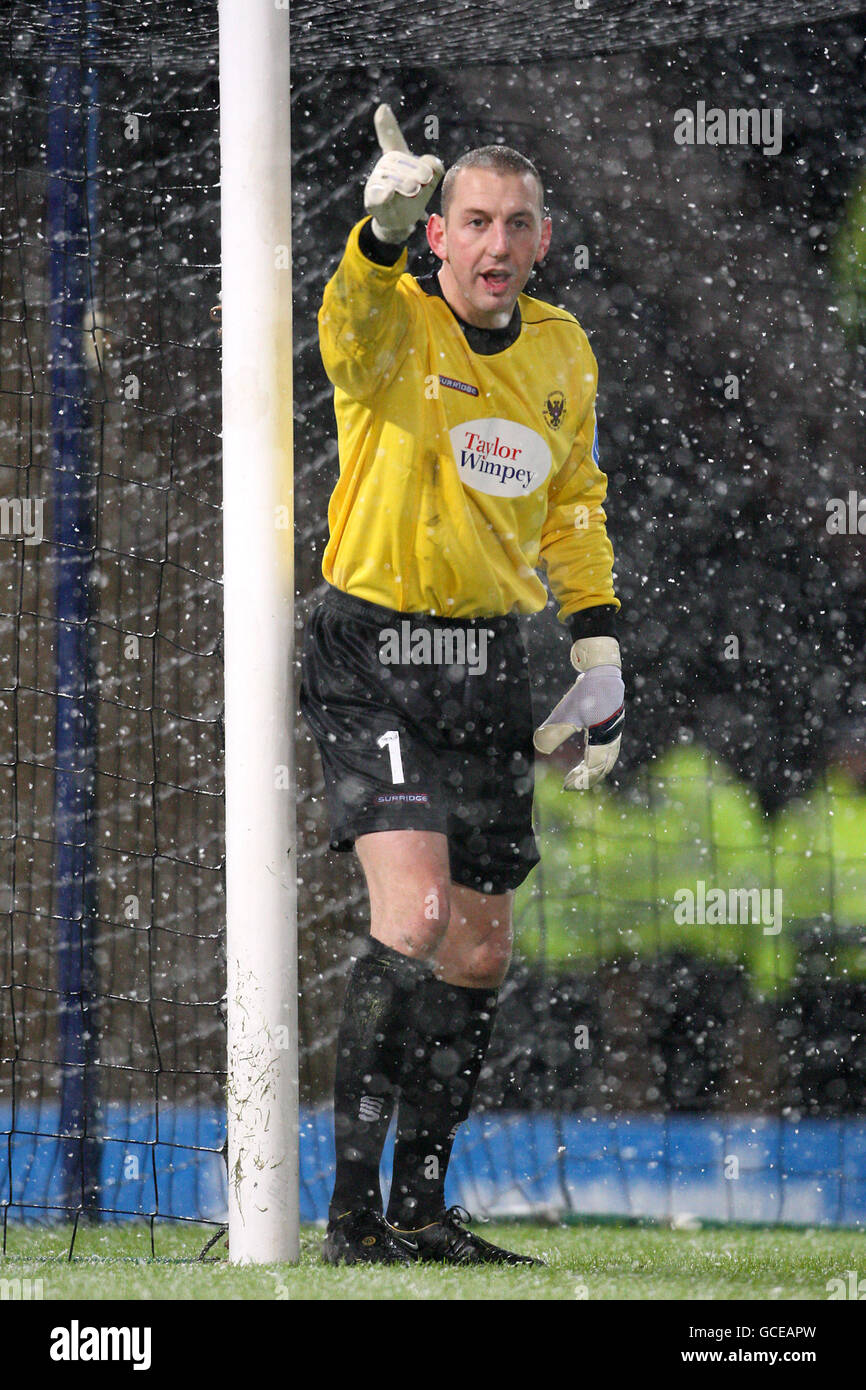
[634,1056]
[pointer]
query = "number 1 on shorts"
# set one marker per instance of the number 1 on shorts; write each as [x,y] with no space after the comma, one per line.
[391,741]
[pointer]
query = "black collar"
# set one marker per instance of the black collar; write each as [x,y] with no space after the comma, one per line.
[485,341]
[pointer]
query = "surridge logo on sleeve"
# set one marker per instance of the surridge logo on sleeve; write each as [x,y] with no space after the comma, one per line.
[500,457]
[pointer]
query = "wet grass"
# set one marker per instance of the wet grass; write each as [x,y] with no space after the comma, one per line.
[581,1263]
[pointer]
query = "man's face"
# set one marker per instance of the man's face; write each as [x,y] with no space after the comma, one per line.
[495,233]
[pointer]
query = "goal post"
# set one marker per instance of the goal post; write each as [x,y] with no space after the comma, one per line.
[261,932]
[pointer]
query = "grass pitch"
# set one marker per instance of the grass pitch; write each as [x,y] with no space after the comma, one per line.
[584,1262]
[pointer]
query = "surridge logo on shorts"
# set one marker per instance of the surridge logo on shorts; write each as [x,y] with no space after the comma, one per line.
[500,457]
[411,797]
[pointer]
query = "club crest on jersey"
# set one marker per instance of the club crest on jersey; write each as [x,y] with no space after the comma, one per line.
[500,457]
[554,409]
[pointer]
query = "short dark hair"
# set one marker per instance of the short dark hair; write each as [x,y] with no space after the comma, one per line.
[501,158]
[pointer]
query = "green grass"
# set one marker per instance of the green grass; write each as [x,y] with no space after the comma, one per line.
[604,1261]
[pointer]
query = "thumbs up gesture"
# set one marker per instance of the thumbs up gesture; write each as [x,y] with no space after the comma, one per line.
[401,185]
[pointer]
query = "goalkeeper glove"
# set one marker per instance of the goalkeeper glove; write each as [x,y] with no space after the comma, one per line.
[401,185]
[594,704]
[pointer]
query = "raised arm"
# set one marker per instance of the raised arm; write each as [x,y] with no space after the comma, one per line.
[363,318]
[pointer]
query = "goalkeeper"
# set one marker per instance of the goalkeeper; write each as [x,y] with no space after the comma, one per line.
[468,456]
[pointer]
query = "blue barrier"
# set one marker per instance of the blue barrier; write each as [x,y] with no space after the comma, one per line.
[762,1168]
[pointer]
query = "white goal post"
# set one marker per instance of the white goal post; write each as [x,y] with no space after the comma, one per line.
[261,931]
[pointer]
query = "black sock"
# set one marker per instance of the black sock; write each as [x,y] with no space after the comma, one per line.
[370,1047]
[451,1034]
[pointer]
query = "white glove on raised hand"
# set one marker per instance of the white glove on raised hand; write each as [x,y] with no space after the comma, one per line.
[401,185]
[594,704]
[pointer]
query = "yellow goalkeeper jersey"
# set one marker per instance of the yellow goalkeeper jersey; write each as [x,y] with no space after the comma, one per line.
[461,471]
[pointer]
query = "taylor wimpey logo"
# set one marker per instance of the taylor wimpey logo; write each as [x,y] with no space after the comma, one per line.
[500,457]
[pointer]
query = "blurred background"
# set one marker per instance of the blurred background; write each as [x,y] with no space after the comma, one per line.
[722,289]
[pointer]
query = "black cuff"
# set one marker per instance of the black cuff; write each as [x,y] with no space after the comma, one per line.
[405,970]
[593,622]
[380,252]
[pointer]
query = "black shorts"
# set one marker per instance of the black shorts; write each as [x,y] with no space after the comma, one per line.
[424,723]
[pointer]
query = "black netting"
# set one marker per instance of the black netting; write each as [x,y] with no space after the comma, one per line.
[735,769]
[331,34]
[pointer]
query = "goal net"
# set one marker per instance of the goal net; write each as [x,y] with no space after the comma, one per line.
[681,1034]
